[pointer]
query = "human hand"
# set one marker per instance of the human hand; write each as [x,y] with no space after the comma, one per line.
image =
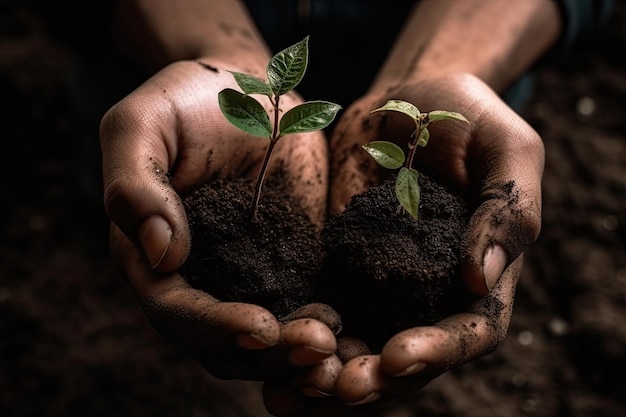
[364,384]
[498,160]
[158,143]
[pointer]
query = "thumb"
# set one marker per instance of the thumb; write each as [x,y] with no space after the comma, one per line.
[502,227]
[138,196]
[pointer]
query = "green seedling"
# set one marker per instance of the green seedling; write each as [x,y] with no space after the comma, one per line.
[391,156]
[284,72]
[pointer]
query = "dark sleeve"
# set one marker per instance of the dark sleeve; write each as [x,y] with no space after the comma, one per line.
[580,18]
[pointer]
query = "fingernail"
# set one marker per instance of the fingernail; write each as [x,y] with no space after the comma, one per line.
[413,369]
[494,263]
[370,398]
[315,393]
[307,355]
[252,341]
[155,235]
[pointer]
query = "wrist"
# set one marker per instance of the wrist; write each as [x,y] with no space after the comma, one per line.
[495,40]
[158,32]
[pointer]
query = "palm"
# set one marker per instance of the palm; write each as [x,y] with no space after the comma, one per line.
[453,152]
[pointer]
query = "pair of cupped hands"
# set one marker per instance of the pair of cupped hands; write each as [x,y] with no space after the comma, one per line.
[169,135]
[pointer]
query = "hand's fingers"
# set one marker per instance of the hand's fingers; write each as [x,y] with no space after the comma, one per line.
[156,220]
[508,218]
[304,343]
[351,347]
[214,330]
[319,311]
[303,398]
[295,397]
[318,381]
[156,144]
[345,347]
[459,338]
[194,318]
[138,196]
[307,392]
[361,380]
[310,390]
[414,357]
[307,342]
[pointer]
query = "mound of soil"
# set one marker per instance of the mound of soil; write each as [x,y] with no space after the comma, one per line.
[273,261]
[382,270]
[385,271]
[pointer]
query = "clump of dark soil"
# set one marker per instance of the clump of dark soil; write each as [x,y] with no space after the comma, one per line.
[385,271]
[273,261]
[382,270]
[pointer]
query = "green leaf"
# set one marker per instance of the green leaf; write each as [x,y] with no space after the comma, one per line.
[245,113]
[286,69]
[408,190]
[387,154]
[307,117]
[402,107]
[423,139]
[251,85]
[437,115]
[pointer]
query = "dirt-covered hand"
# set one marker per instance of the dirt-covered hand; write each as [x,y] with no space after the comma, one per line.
[363,384]
[232,340]
[161,141]
[169,136]
[497,160]
[416,356]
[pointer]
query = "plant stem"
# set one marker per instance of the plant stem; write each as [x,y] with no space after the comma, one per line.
[413,145]
[254,206]
[259,182]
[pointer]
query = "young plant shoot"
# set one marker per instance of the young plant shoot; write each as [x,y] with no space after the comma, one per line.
[391,156]
[284,72]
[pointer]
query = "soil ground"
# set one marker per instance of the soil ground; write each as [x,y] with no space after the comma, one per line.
[73,342]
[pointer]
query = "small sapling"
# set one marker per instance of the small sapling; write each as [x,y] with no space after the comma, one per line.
[284,71]
[391,156]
